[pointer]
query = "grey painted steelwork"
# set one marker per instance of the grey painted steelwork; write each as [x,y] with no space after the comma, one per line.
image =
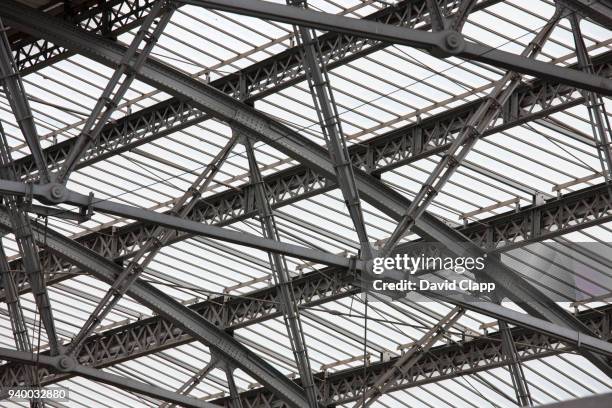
[558,216]
[189,385]
[115,17]
[599,11]
[117,86]
[337,281]
[282,278]
[480,121]
[461,15]
[602,132]
[27,248]
[287,141]
[67,364]
[436,16]
[378,155]
[235,400]
[382,153]
[443,43]
[519,382]
[490,309]
[201,329]
[16,95]
[111,18]
[442,362]
[91,132]
[252,83]
[18,322]
[55,192]
[149,249]
[580,337]
[331,126]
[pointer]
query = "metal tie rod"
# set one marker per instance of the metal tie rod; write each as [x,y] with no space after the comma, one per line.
[58,193]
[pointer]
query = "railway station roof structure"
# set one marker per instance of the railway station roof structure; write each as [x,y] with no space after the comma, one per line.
[195,194]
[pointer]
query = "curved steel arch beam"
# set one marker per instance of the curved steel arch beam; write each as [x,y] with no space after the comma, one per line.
[106,270]
[156,300]
[286,140]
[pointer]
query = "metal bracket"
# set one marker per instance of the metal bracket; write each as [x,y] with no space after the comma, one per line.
[87,212]
[27,199]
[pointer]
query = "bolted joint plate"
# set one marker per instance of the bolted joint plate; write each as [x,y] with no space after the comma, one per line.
[65,363]
[54,193]
[450,43]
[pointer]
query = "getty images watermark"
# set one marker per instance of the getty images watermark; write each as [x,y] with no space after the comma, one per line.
[563,272]
[388,273]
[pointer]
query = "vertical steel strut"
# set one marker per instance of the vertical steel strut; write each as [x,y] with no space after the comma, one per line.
[327,113]
[519,381]
[281,276]
[487,112]
[27,246]
[159,238]
[600,123]
[16,95]
[195,379]
[108,102]
[18,323]
[438,22]
[20,330]
[509,351]
[215,362]
[235,400]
